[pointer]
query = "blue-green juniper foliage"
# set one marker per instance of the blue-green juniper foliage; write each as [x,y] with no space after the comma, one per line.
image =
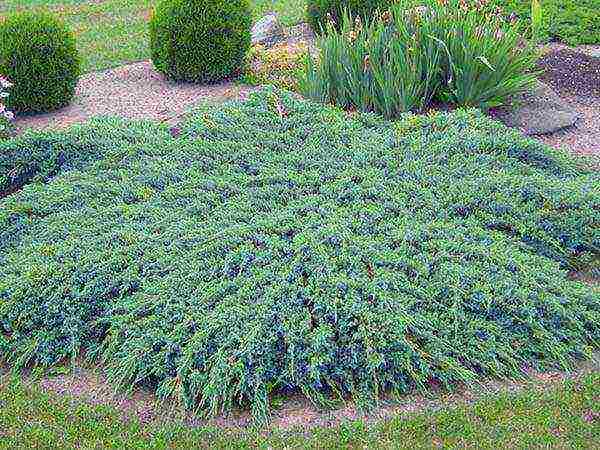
[278,245]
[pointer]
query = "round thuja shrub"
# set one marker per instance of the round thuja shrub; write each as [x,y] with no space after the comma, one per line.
[200,40]
[321,12]
[38,54]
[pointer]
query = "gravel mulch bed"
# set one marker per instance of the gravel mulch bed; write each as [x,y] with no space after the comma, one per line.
[137,91]
[575,75]
[133,91]
[572,73]
[584,137]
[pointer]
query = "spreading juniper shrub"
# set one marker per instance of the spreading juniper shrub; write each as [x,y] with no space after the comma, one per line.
[277,245]
[38,156]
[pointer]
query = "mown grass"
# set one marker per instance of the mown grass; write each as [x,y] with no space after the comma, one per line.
[574,22]
[114,32]
[564,416]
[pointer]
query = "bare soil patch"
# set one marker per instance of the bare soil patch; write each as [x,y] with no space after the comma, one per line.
[87,384]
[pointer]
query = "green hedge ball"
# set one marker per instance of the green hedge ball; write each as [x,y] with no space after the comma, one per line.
[320,12]
[200,40]
[38,54]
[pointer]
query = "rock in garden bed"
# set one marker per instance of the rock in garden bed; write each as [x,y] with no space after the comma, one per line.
[541,111]
[268,30]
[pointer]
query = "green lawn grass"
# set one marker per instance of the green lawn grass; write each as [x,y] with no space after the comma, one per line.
[114,32]
[564,416]
[574,22]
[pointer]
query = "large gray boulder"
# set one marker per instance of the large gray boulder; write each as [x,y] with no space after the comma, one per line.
[267,31]
[540,111]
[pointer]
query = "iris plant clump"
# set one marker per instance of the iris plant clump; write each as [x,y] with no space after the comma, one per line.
[419,53]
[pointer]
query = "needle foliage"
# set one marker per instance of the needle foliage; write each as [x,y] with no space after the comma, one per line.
[277,246]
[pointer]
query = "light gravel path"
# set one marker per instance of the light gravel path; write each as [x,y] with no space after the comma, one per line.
[133,91]
[137,91]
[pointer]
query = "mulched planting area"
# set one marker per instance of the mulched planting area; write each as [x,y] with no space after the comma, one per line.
[575,76]
[572,73]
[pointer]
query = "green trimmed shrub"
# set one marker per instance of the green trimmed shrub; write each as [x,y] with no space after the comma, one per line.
[39,56]
[321,13]
[200,40]
[277,245]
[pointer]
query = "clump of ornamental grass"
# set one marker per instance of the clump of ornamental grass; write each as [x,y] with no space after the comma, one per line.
[384,65]
[452,51]
[485,61]
[279,246]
